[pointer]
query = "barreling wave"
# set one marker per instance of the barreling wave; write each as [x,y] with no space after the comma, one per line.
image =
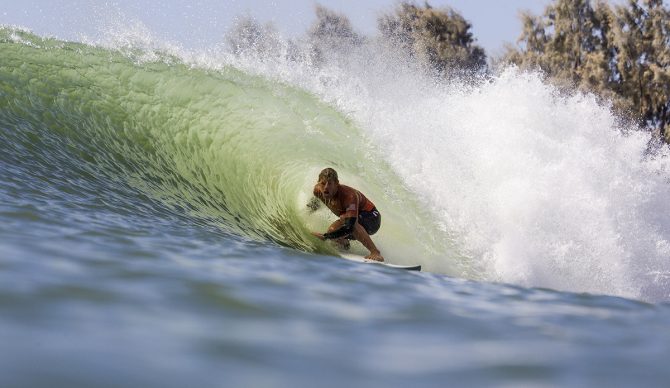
[224,147]
[506,179]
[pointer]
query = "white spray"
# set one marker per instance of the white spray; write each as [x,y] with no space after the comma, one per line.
[541,189]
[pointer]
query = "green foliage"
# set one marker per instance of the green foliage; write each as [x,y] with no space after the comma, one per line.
[620,53]
[440,38]
[641,36]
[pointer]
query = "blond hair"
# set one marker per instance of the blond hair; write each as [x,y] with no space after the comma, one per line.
[328,175]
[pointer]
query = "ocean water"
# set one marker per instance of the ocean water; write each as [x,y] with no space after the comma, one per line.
[153,228]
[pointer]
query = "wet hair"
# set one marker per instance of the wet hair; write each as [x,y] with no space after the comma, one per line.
[328,175]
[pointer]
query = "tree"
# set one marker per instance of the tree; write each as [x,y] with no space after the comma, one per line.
[249,36]
[641,37]
[568,43]
[440,38]
[333,30]
[620,54]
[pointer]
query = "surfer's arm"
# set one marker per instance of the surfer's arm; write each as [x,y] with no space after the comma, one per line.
[348,218]
[346,229]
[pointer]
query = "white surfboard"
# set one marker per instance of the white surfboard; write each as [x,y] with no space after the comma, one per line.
[361,259]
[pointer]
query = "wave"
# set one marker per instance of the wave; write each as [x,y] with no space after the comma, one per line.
[502,179]
[227,148]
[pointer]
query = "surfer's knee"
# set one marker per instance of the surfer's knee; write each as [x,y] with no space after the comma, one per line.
[335,226]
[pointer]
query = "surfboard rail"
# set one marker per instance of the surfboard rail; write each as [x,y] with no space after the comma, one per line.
[362,259]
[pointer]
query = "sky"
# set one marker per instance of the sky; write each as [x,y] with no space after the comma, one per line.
[199,23]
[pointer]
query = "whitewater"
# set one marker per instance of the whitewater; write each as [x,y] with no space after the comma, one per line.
[154,228]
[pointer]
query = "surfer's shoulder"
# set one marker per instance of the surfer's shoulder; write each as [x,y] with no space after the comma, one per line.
[346,190]
[347,195]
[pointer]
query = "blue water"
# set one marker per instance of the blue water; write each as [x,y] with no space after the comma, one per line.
[153,229]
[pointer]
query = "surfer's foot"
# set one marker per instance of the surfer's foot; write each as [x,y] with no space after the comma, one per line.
[343,244]
[375,256]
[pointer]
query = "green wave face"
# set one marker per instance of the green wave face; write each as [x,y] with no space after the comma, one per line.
[228,149]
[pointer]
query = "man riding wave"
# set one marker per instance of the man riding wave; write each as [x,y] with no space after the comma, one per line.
[358,216]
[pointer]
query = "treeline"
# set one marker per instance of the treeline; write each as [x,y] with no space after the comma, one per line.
[440,39]
[618,52]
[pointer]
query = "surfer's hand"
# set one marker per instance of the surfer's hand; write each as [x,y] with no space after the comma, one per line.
[318,235]
[375,256]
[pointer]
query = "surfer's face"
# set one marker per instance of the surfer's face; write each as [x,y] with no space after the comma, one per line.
[328,188]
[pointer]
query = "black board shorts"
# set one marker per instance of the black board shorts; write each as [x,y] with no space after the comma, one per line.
[371,221]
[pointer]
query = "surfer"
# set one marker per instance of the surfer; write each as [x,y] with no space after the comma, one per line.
[359,219]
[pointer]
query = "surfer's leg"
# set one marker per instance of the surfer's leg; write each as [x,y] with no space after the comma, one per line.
[371,221]
[362,235]
[335,225]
